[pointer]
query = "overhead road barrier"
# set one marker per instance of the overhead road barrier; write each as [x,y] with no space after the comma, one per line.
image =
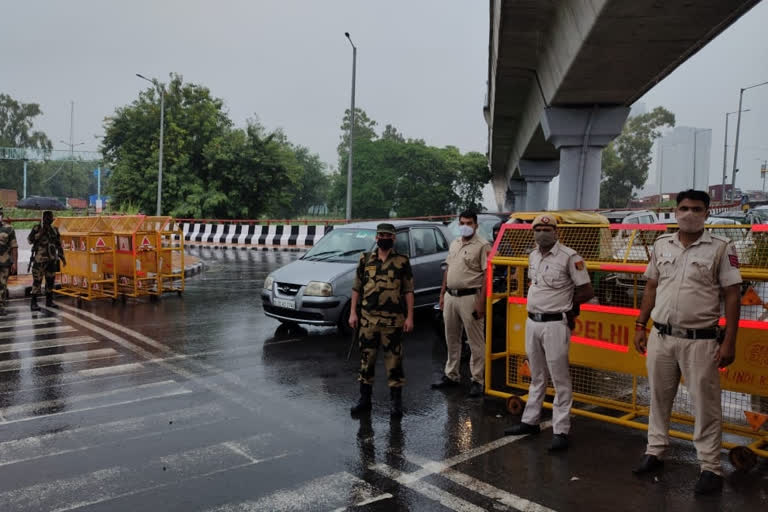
[609,376]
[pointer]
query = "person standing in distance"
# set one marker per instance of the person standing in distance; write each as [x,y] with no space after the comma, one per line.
[384,281]
[9,255]
[559,284]
[46,247]
[462,300]
[688,273]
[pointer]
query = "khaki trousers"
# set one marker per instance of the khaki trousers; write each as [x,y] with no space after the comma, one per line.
[457,315]
[546,345]
[669,358]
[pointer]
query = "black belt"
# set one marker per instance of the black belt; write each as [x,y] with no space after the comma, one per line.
[461,292]
[709,333]
[545,317]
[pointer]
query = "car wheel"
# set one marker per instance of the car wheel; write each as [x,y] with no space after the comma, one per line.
[343,323]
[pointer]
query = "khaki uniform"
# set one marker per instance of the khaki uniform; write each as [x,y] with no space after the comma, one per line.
[382,286]
[688,296]
[7,243]
[46,245]
[553,277]
[467,262]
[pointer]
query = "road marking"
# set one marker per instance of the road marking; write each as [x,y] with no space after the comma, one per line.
[63,402]
[106,434]
[49,343]
[34,332]
[119,481]
[28,321]
[444,498]
[109,370]
[479,487]
[68,357]
[325,492]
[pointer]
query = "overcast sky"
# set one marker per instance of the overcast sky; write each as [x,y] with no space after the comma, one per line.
[422,66]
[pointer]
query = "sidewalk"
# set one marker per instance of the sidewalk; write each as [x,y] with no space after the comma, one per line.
[18,286]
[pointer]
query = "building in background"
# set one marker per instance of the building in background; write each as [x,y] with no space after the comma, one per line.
[682,161]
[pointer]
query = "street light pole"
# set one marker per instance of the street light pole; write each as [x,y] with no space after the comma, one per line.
[351,129]
[738,129]
[725,154]
[160,90]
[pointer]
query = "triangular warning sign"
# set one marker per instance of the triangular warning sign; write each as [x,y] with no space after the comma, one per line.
[100,243]
[751,298]
[756,419]
[145,242]
[524,370]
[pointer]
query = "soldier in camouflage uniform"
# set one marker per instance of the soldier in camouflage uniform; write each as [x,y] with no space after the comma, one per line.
[46,248]
[384,281]
[9,254]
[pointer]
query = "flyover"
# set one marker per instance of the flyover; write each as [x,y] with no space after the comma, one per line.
[562,75]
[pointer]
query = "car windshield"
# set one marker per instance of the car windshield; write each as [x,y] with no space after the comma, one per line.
[342,244]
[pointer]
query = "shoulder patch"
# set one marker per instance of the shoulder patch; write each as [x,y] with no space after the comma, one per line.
[733,259]
[579,265]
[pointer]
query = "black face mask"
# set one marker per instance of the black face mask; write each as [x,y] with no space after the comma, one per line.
[385,243]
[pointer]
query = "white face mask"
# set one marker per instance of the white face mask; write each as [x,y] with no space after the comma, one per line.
[690,222]
[466,231]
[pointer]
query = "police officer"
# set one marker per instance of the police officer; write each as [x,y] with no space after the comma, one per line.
[462,300]
[559,283]
[46,248]
[384,282]
[687,274]
[9,255]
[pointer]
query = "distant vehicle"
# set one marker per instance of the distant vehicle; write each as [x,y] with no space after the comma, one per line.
[488,225]
[40,203]
[630,216]
[757,215]
[316,289]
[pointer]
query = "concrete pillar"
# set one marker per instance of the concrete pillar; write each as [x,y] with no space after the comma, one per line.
[581,134]
[537,197]
[537,175]
[515,200]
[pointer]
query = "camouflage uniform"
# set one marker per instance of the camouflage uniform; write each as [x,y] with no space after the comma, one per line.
[7,244]
[46,246]
[382,286]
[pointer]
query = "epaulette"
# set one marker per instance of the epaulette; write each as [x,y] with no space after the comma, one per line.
[722,238]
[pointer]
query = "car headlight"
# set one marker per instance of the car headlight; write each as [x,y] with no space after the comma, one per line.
[318,289]
[268,283]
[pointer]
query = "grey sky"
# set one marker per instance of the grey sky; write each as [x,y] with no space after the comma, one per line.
[422,66]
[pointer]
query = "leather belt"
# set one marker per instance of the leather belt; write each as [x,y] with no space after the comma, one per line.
[461,292]
[709,333]
[545,317]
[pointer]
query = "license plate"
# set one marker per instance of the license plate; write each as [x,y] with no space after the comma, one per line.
[282,303]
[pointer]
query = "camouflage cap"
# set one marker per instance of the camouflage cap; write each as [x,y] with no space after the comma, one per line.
[545,219]
[385,227]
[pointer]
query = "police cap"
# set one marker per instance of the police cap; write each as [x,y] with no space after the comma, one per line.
[545,219]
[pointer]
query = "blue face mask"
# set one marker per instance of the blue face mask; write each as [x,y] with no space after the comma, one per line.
[466,231]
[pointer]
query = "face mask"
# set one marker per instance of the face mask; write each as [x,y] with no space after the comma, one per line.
[466,231]
[544,238]
[385,243]
[689,222]
[47,221]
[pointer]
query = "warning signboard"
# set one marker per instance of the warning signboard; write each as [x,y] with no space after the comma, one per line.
[100,243]
[145,242]
[82,244]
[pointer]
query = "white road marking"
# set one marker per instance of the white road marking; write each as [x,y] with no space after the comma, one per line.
[28,321]
[325,492]
[49,343]
[480,487]
[68,357]
[104,434]
[444,498]
[35,332]
[109,370]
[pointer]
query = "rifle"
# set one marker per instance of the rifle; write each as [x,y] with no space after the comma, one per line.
[354,340]
[31,259]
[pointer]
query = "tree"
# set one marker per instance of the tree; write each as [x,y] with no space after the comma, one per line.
[626,160]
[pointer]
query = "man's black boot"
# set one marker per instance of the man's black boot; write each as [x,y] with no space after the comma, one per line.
[649,464]
[49,301]
[396,402]
[522,429]
[709,483]
[33,305]
[364,403]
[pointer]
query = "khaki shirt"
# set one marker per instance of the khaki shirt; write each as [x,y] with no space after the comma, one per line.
[382,285]
[690,279]
[7,242]
[467,262]
[553,277]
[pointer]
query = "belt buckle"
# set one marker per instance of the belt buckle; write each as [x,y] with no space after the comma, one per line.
[678,332]
[537,317]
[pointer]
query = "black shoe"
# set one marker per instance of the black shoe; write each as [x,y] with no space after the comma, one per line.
[49,301]
[559,443]
[475,390]
[364,403]
[708,483]
[649,464]
[396,402]
[522,429]
[33,305]
[444,382]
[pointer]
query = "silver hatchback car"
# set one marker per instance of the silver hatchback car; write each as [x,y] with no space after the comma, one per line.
[316,289]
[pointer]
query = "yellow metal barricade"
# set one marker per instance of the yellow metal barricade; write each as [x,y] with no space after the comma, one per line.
[167,244]
[609,376]
[89,249]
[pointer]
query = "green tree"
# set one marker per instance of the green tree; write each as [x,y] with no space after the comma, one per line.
[626,160]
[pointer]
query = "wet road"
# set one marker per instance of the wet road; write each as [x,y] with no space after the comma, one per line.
[200,403]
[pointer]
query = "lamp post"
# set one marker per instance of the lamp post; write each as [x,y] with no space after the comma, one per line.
[725,153]
[351,129]
[738,129]
[161,90]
